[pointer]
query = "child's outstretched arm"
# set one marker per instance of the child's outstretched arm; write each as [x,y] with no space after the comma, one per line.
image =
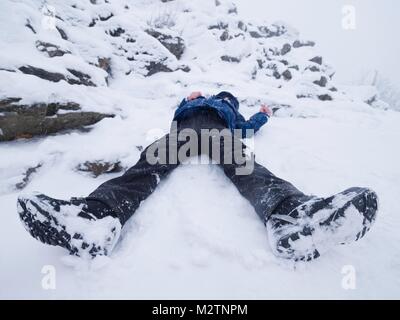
[255,122]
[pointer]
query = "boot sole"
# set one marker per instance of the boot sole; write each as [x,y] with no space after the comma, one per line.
[42,228]
[366,203]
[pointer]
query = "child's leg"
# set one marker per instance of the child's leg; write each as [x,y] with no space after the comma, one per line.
[124,194]
[301,227]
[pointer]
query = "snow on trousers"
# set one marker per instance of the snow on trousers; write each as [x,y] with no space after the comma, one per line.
[261,188]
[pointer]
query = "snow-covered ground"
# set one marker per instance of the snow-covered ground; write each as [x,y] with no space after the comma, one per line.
[196,237]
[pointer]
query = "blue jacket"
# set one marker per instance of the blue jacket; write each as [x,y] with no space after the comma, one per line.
[227,107]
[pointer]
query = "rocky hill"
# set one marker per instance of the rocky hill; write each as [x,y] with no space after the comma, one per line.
[60,55]
[67,64]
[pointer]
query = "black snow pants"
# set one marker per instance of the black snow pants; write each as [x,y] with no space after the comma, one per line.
[124,194]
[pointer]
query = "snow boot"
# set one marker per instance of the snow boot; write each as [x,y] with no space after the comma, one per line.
[303,228]
[69,224]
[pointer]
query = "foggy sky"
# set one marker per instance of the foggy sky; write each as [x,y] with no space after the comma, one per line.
[374,44]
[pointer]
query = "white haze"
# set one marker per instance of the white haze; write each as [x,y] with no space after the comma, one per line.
[353,53]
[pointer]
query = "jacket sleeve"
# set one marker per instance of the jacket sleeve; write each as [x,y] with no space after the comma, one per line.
[183,102]
[254,123]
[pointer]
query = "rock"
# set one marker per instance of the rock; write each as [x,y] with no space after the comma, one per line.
[53,108]
[8,102]
[27,176]
[99,167]
[184,68]
[62,33]
[268,32]
[106,17]
[43,74]
[276,75]
[29,25]
[83,78]
[325,97]
[8,70]
[287,75]
[317,60]
[322,97]
[254,73]
[321,82]
[116,32]
[286,49]
[105,64]
[56,77]
[242,26]
[232,9]
[224,36]
[51,49]
[175,45]
[25,121]
[230,59]
[372,100]
[313,69]
[219,26]
[255,34]
[295,67]
[277,106]
[156,66]
[303,96]
[299,44]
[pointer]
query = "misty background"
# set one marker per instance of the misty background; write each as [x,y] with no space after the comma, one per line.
[372,45]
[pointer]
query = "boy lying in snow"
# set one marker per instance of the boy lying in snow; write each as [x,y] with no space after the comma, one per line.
[299,226]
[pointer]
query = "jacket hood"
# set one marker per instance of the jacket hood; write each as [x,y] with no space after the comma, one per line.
[231,98]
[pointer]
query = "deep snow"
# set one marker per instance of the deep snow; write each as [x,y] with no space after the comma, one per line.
[196,237]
